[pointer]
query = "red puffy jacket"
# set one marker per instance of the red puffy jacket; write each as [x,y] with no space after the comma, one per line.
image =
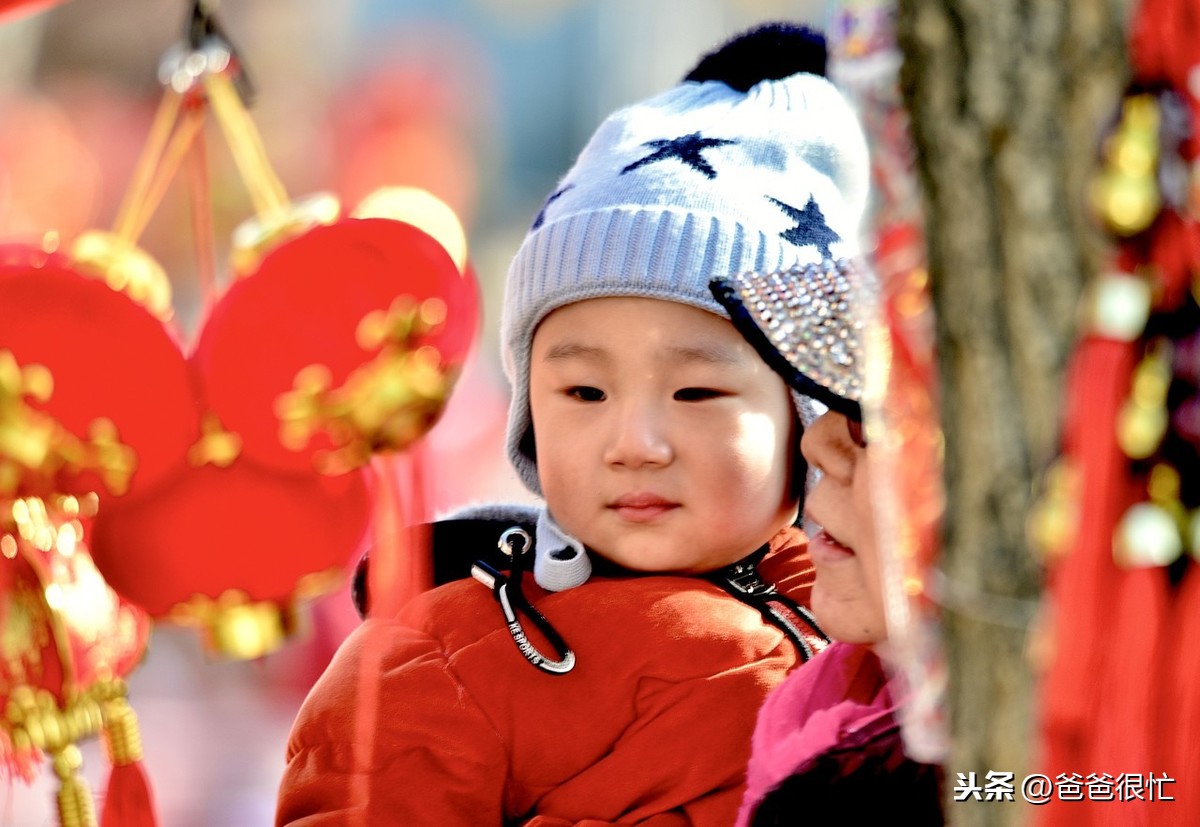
[435,717]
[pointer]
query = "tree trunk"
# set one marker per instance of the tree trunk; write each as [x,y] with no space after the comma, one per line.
[1008,101]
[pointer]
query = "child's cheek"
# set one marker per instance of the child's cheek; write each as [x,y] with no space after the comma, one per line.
[759,449]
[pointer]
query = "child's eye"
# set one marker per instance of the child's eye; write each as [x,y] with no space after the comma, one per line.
[585,393]
[698,394]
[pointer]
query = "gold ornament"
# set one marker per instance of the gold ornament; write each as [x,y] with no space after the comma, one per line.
[1054,518]
[1125,194]
[386,404]
[1143,419]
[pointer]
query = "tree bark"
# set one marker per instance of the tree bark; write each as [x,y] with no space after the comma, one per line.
[1008,100]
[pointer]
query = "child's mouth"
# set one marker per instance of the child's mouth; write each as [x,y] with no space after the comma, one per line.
[641,507]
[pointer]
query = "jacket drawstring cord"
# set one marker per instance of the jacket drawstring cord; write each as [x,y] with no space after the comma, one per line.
[507,591]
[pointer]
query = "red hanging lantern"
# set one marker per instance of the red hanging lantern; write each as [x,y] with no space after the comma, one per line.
[95,394]
[337,345]
[102,367]
[233,550]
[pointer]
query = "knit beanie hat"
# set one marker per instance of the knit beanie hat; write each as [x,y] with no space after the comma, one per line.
[761,168]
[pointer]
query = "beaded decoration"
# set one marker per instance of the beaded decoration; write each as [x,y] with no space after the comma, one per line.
[802,315]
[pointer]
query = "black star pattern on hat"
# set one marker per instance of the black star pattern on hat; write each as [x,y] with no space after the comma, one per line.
[554,196]
[810,228]
[686,149]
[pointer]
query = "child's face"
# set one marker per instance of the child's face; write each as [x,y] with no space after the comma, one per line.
[664,443]
[847,596]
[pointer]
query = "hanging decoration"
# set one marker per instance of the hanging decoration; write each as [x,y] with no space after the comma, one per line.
[337,340]
[377,374]
[68,639]
[1118,524]
[218,482]
[113,413]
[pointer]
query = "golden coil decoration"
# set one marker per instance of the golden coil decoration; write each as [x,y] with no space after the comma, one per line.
[386,404]
[37,722]
[75,806]
[122,736]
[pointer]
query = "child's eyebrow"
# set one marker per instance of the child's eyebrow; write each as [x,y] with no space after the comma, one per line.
[575,350]
[713,354]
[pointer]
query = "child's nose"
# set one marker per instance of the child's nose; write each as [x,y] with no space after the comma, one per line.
[639,437]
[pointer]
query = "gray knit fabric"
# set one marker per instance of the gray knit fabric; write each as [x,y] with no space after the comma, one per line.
[697,183]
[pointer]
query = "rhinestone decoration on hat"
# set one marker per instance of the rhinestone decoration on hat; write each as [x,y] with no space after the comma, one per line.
[805,313]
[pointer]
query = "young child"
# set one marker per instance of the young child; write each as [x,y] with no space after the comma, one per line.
[622,685]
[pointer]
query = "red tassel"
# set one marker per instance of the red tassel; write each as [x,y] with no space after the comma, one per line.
[1178,707]
[1123,736]
[128,802]
[1085,583]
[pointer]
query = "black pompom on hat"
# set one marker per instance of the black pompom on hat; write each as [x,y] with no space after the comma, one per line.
[772,51]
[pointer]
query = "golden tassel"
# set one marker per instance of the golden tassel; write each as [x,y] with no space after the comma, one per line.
[75,805]
[128,801]
[122,736]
